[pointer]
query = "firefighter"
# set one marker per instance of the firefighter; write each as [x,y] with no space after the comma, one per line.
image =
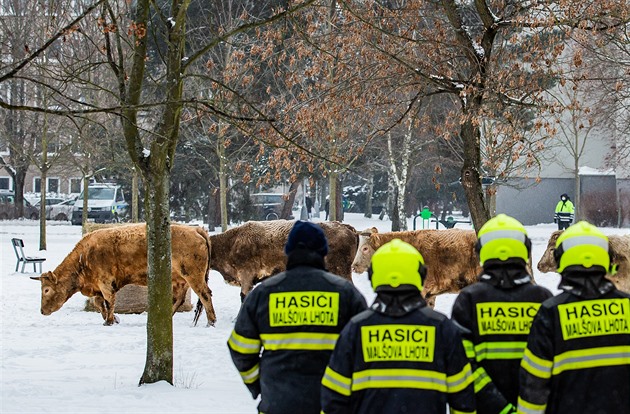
[564,212]
[287,327]
[577,358]
[494,315]
[400,356]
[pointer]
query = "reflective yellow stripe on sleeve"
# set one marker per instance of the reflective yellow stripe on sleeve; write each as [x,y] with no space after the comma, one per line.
[469,348]
[500,350]
[312,341]
[243,345]
[399,378]
[481,379]
[591,358]
[250,376]
[536,366]
[337,382]
[461,380]
[525,407]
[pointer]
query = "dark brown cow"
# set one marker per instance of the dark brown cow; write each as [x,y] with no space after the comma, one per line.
[619,247]
[249,253]
[105,260]
[449,255]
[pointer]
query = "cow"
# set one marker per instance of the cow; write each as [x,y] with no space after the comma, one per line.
[449,256]
[253,251]
[619,248]
[105,260]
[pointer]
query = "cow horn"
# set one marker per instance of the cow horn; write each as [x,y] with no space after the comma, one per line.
[36,277]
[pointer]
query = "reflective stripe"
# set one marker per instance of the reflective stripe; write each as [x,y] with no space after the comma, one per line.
[582,240]
[314,341]
[252,375]
[508,409]
[461,380]
[481,379]
[469,348]
[500,350]
[399,378]
[591,358]
[502,234]
[536,366]
[337,382]
[243,345]
[526,407]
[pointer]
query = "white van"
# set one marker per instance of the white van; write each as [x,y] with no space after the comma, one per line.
[106,204]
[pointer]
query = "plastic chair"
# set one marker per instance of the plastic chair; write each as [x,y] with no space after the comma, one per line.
[18,247]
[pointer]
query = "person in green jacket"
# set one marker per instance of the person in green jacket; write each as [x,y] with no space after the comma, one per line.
[564,212]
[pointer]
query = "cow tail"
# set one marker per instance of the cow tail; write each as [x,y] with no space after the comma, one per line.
[198,309]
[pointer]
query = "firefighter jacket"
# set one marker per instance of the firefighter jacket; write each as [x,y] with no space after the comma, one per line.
[565,211]
[294,318]
[577,358]
[494,319]
[413,363]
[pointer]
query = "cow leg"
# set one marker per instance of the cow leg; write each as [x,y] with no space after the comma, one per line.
[204,293]
[246,287]
[99,302]
[179,295]
[109,298]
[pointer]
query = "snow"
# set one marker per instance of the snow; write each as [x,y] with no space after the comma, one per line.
[594,171]
[69,362]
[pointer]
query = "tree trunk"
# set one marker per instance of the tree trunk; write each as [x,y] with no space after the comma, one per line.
[159,364]
[578,189]
[287,208]
[333,205]
[134,196]
[395,217]
[42,206]
[368,195]
[222,185]
[84,211]
[471,175]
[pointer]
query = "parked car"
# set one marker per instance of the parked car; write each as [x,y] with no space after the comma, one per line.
[60,211]
[49,201]
[267,206]
[9,211]
[106,204]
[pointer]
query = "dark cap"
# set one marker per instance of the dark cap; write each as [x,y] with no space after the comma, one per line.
[310,236]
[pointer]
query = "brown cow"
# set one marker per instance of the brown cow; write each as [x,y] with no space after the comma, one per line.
[105,260]
[249,253]
[449,255]
[619,247]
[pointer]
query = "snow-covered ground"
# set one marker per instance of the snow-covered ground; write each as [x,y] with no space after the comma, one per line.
[69,362]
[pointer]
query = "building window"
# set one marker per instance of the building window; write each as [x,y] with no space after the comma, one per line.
[52,185]
[37,185]
[5,183]
[75,185]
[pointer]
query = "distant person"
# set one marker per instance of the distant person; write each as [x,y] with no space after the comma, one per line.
[287,327]
[327,206]
[564,212]
[577,358]
[494,314]
[399,356]
[309,205]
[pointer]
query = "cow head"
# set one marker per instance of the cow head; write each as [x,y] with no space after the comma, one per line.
[54,294]
[364,252]
[547,263]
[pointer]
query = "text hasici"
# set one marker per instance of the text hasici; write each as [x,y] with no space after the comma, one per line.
[303,308]
[498,318]
[595,318]
[398,343]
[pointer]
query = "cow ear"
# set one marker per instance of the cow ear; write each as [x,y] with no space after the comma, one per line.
[52,277]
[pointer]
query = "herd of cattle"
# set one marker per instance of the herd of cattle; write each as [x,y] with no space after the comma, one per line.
[105,260]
